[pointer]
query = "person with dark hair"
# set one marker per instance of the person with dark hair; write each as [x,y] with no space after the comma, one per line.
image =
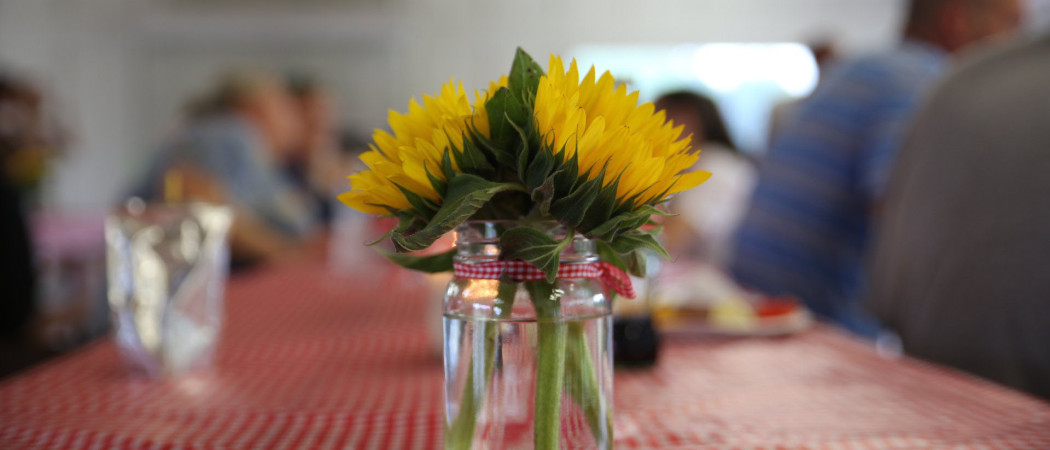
[700,117]
[960,266]
[807,231]
[707,217]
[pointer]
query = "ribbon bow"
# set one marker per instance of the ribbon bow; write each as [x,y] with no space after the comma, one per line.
[611,276]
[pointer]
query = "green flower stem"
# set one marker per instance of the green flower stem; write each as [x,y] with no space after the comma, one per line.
[461,434]
[550,365]
[580,373]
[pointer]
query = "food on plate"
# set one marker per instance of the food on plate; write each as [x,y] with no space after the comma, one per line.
[703,299]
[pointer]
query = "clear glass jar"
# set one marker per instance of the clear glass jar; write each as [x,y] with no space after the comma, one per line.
[166,267]
[527,364]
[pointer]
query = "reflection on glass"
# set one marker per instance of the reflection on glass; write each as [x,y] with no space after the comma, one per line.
[167,271]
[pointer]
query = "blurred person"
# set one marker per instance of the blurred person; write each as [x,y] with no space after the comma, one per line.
[960,267]
[707,217]
[824,55]
[230,151]
[29,137]
[806,233]
[314,163]
[18,276]
[33,136]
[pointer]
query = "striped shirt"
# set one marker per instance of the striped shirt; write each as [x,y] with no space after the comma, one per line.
[806,231]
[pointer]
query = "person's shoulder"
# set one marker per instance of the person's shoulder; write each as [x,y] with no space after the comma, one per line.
[1022,64]
[990,91]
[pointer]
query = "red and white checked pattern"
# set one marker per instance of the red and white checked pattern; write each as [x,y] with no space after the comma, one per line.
[314,360]
[611,276]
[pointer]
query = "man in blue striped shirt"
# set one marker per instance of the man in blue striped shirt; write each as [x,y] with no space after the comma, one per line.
[806,232]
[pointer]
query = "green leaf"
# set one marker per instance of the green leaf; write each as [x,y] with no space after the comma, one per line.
[505,205]
[635,222]
[624,222]
[635,262]
[535,247]
[439,185]
[602,207]
[522,165]
[446,165]
[632,263]
[544,194]
[571,209]
[472,160]
[539,169]
[423,206]
[520,150]
[566,175]
[441,262]
[521,124]
[524,77]
[381,238]
[508,118]
[635,240]
[608,230]
[607,254]
[659,212]
[466,195]
[503,155]
[408,222]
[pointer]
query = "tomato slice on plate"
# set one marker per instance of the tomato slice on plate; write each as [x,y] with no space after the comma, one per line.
[776,306]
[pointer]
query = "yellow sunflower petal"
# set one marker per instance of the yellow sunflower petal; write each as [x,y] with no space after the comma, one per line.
[415,144]
[605,126]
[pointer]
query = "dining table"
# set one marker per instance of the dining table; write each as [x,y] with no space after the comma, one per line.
[312,355]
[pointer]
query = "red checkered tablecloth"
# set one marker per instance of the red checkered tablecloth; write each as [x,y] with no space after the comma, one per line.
[314,360]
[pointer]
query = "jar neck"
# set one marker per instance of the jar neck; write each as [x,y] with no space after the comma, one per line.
[477,241]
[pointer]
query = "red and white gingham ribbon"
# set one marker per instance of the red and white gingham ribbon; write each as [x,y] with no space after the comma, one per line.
[611,276]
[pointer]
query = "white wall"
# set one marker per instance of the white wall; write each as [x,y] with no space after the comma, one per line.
[475,39]
[120,68]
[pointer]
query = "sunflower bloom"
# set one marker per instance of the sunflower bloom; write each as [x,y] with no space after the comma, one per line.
[402,159]
[605,127]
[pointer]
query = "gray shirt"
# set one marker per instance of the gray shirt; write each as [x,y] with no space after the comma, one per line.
[962,264]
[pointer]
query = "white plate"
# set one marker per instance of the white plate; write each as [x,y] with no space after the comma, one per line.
[782,325]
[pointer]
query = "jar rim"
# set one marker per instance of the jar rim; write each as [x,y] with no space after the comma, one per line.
[491,229]
[486,233]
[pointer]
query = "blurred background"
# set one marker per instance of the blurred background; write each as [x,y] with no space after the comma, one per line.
[115,77]
[119,70]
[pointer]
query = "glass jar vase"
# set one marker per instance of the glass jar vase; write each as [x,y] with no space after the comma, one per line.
[528,364]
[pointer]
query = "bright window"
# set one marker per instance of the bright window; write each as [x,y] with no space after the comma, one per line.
[745,80]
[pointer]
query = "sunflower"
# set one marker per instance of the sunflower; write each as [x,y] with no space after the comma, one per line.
[606,129]
[406,157]
[581,152]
